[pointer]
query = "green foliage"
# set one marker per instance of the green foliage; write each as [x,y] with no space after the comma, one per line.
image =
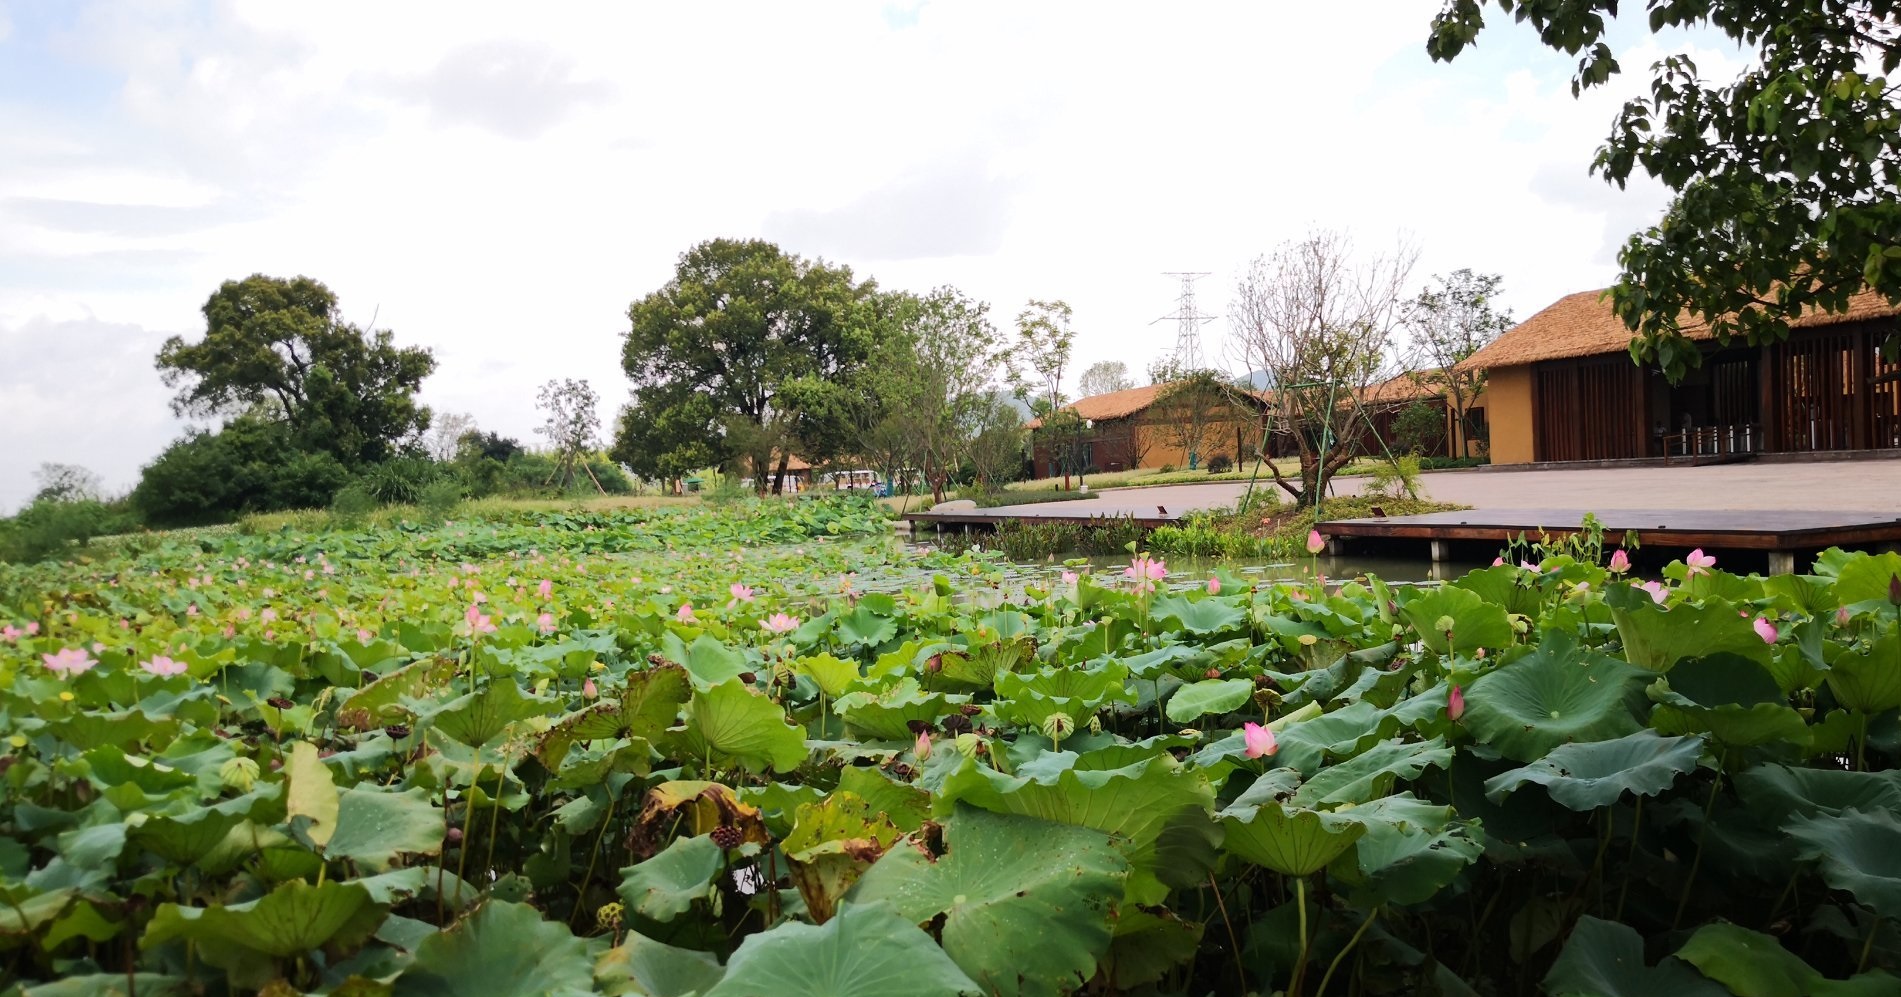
[251,465]
[1785,176]
[278,348]
[392,756]
[1220,464]
[52,528]
[1394,479]
[1420,429]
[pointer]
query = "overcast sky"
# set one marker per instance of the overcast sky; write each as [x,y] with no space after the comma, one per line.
[498,182]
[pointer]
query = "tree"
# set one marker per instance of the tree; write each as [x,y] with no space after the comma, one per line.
[996,442]
[446,430]
[1195,408]
[1041,353]
[932,369]
[742,353]
[67,483]
[250,465]
[278,346]
[1787,178]
[1450,323]
[1103,377]
[1319,323]
[479,445]
[574,420]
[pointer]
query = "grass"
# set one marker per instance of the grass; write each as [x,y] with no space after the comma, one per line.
[392,515]
[1147,476]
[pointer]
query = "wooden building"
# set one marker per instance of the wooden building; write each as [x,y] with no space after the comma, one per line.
[1152,427]
[1561,387]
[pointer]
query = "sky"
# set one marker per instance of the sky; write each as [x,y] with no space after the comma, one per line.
[497,182]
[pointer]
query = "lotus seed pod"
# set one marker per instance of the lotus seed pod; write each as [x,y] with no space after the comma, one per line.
[238,774]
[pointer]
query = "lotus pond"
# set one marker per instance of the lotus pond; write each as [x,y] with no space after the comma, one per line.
[761,750]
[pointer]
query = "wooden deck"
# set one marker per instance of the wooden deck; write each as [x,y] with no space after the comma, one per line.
[1781,533]
[989,518]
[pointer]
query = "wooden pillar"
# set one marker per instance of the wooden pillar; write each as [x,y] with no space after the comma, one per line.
[1782,562]
[1771,400]
[1860,385]
[1441,551]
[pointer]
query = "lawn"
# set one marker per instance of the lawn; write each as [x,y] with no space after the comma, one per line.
[758,747]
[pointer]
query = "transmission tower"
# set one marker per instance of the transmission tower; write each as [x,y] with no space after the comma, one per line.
[1188,321]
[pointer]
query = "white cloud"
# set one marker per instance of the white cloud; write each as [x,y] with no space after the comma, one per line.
[499,186]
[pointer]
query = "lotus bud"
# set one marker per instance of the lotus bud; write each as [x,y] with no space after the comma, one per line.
[1894,590]
[238,774]
[923,747]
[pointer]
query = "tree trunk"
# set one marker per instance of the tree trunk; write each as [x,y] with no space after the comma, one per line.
[778,476]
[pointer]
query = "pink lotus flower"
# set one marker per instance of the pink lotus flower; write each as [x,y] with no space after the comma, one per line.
[1214,586]
[1498,562]
[589,690]
[923,747]
[1528,566]
[1620,562]
[478,623]
[741,593]
[1455,704]
[1146,571]
[1766,630]
[1699,562]
[363,636]
[545,623]
[1069,578]
[191,610]
[69,662]
[685,613]
[1657,592]
[1841,617]
[780,623]
[1315,542]
[163,667]
[1259,740]
[10,633]
[32,627]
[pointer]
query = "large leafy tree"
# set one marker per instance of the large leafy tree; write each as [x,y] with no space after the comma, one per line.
[1449,322]
[1787,177]
[1103,377]
[278,347]
[745,353]
[932,375]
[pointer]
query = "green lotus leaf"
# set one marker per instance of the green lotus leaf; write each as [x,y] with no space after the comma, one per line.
[291,920]
[114,985]
[1412,849]
[1587,775]
[1476,623]
[886,714]
[1502,585]
[1858,851]
[832,674]
[977,666]
[311,797]
[1556,693]
[377,826]
[1304,744]
[502,948]
[864,627]
[476,718]
[832,843]
[644,967]
[1208,696]
[1147,946]
[1198,616]
[186,838]
[1287,840]
[1606,959]
[646,705]
[906,806]
[1025,904]
[665,886]
[1733,726]
[868,950]
[1028,698]
[1868,681]
[1371,774]
[1657,638]
[1749,963]
[1778,792]
[734,721]
[412,681]
[1158,808]
[1862,582]
[708,661]
[123,729]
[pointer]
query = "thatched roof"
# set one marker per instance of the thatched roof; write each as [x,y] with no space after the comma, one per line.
[1128,402]
[1583,325]
[1401,388]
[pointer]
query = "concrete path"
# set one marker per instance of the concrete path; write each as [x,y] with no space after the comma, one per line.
[1863,486]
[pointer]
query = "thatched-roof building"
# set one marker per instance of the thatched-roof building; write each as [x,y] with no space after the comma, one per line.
[1561,386]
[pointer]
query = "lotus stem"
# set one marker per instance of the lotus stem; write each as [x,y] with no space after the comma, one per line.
[1696,863]
[1868,947]
[1636,821]
[1234,943]
[495,819]
[1300,909]
[1327,977]
[593,856]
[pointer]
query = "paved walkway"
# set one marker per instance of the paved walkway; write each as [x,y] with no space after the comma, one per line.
[1860,486]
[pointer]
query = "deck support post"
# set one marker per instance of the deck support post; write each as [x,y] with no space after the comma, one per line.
[1441,552]
[1335,547]
[1782,562]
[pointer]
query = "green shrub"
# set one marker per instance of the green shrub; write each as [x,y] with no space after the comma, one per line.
[353,505]
[49,528]
[1397,478]
[249,466]
[1220,464]
[1420,428]
[440,497]
[400,481]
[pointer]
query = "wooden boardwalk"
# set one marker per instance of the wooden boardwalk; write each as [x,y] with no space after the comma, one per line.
[1781,533]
